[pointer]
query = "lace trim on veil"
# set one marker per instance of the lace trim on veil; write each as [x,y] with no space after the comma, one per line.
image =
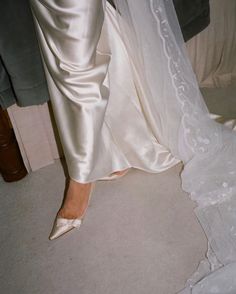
[201,135]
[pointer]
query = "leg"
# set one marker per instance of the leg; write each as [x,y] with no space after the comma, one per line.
[68,34]
[75,201]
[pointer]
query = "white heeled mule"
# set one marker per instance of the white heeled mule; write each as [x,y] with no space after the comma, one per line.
[63,225]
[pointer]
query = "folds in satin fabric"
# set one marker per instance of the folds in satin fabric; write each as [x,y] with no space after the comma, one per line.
[68,35]
[95,102]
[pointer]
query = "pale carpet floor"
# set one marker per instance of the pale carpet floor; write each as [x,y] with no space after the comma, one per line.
[140,234]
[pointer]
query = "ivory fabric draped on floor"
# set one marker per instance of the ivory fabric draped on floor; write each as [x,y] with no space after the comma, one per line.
[98,112]
[133,101]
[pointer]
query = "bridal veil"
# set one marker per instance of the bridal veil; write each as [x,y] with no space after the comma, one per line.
[206,148]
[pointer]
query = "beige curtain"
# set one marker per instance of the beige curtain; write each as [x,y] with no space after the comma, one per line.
[213,51]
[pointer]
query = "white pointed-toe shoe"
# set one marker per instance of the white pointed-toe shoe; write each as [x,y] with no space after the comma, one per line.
[63,225]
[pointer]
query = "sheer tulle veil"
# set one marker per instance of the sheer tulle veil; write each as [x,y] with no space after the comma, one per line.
[163,73]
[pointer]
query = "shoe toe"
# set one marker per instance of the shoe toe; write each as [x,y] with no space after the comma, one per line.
[62,226]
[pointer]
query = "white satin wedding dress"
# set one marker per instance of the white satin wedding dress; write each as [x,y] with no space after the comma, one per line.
[124,95]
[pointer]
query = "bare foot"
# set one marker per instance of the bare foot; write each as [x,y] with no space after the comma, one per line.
[76,200]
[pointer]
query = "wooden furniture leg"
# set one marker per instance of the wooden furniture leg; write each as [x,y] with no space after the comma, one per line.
[11,164]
